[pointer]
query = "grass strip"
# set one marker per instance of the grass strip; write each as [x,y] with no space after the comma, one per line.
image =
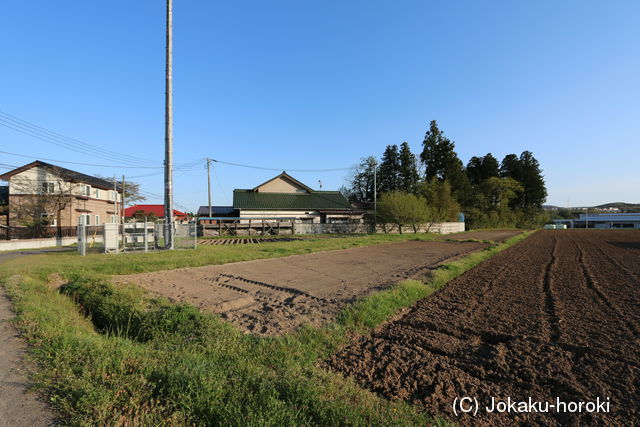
[113,355]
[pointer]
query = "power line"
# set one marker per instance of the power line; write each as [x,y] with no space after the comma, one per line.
[280,169]
[185,166]
[81,163]
[46,135]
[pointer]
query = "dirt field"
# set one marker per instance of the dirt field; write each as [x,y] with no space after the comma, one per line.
[273,296]
[493,235]
[556,316]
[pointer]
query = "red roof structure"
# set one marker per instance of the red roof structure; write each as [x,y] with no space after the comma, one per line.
[157,210]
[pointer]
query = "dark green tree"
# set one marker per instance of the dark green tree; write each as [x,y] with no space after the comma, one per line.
[409,177]
[535,191]
[441,162]
[526,170]
[389,170]
[480,169]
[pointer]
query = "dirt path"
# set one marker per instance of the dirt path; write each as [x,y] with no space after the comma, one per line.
[556,316]
[18,407]
[278,295]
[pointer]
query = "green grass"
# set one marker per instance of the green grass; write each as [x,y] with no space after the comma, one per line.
[112,354]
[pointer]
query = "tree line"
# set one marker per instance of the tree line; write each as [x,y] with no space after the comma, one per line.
[436,186]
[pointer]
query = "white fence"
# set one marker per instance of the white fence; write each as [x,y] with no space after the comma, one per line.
[439,228]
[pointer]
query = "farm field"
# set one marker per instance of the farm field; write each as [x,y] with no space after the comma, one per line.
[274,296]
[555,316]
[492,235]
[115,354]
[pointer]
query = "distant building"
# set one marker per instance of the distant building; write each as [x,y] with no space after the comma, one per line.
[44,195]
[603,220]
[284,197]
[153,211]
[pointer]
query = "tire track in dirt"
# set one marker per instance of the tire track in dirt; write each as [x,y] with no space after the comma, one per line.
[543,331]
[592,285]
[552,321]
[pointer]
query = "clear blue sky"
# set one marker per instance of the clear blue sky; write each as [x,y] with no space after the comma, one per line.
[315,85]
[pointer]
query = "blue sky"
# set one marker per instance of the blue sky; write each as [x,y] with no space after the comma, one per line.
[318,85]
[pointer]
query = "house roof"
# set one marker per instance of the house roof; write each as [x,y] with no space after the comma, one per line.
[314,200]
[157,210]
[286,176]
[216,210]
[68,174]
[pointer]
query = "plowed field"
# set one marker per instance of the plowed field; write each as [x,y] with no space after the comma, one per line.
[554,317]
[273,296]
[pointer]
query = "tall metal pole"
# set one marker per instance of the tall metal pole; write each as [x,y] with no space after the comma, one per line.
[168,131]
[587,219]
[122,207]
[375,196]
[209,185]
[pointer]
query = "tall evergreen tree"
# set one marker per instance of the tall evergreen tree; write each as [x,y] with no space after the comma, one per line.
[441,162]
[474,170]
[409,178]
[389,176]
[510,167]
[535,191]
[526,170]
[480,169]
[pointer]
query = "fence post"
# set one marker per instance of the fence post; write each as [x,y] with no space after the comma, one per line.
[195,235]
[82,240]
[146,238]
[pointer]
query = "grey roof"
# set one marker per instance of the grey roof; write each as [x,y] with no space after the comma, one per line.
[216,210]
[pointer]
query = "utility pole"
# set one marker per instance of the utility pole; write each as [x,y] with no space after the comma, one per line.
[122,207]
[115,198]
[168,132]
[375,196]
[209,184]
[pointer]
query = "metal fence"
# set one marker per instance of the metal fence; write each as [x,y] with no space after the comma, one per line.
[134,237]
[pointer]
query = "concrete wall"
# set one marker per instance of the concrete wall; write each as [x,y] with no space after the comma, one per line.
[440,228]
[11,245]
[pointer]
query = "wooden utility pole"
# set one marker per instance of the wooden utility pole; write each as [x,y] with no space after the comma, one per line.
[209,185]
[168,131]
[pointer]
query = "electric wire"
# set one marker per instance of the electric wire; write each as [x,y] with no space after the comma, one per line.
[280,169]
[39,132]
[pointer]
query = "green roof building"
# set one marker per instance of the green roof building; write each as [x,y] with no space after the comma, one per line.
[285,197]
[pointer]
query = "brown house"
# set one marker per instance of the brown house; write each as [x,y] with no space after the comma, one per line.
[40,194]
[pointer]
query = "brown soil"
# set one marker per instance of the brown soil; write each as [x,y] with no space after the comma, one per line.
[493,235]
[556,316]
[278,295]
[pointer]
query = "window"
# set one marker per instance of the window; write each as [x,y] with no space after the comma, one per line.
[97,219]
[113,218]
[97,193]
[85,190]
[48,187]
[48,219]
[84,219]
